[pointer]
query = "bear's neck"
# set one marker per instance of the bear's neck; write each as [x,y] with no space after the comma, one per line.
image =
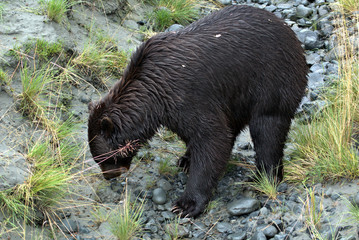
[138,108]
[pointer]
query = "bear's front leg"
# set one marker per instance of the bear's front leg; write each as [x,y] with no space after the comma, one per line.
[209,156]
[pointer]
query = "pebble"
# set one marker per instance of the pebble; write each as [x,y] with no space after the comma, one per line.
[310,39]
[315,80]
[224,227]
[263,211]
[174,28]
[303,12]
[270,231]
[281,236]
[258,236]
[243,206]
[237,236]
[225,2]
[159,196]
[164,184]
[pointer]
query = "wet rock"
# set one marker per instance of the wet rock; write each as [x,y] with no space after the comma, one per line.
[315,80]
[263,211]
[224,227]
[285,6]
[312,58]
[270,8]
[281,236]
[199,230]
[310,39]
[159,196]
[319,68]
[303,12]
[323,11]
[269,231]
[283,187]
[167,215]
[259,236]
[237,236]
[326,28]
[174,28]
[105,194]
[225,2]
[151,226]
[164,184]
[243,206]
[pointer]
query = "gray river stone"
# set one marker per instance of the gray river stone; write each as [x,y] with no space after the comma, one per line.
[243,206]
[164,184]
[224,227]
[303,12]
[259,236]
[159,196]
[270,231]
[237,236]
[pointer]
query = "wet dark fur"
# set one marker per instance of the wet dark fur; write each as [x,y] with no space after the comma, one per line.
[238,66]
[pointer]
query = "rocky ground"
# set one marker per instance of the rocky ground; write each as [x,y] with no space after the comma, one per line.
[236,211]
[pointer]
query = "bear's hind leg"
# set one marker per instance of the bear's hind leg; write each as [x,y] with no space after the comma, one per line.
[269,133]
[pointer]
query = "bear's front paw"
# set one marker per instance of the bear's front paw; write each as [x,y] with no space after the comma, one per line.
[190,206]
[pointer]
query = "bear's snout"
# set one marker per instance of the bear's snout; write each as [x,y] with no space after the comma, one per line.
[112,171]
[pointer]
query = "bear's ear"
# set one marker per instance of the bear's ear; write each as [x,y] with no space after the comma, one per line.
[107,125]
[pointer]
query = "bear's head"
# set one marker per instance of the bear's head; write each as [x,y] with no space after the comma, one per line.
[110,151]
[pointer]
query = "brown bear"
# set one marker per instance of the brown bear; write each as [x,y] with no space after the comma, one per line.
[238,66]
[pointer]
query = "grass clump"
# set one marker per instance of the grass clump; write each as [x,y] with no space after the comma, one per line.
[56,9]
[349,5]
[33,86]
[39,48]
[43,49]
[45,186]
[166,168]
[326,147]
[169,12]
[4,78]
[313,212]
[172,229]
[102,58]
[262,182]
[126,222]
